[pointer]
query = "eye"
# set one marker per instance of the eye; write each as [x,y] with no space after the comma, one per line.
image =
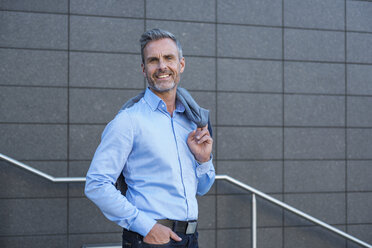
[150,60]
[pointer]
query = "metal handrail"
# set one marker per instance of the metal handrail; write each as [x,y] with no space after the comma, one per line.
[42,174]
[289,208]
[218,177]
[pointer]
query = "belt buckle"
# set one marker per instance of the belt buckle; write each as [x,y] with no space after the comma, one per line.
[191,227]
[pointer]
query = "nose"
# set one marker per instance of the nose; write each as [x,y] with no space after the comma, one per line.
[162,65]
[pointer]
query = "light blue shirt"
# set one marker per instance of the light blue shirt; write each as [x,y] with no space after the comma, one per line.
[150,148]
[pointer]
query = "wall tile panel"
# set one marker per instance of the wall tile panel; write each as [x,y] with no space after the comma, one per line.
[249,143]
[237,237]
[302,110]
[314,45]
[31,30]
[18,183]
[33,216]
[241,237]
[36,142]
[309,237]
[84,140]
[85,217]
[34,241]
[207,212]
[328,207]
[193,10]
[249,42]
[299,176]
[359,143]
[267,12]
[106,70]
[199,74]
[29,67]
[207,238]
[78,240]
[47,105]
[359,111]
[250,109]
[58,6]
[101,34]
[97,106]
[265,176]
[249,75]
[206,100]
[358,47]
[359,207]
[195,38]
[359,16]
[359,175]
[314,143]
[234,211]
[77,169]
[315,78]
[327,14]
[362,232]
[122,8]
[359,79]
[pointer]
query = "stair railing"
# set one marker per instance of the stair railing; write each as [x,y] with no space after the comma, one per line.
[218,177]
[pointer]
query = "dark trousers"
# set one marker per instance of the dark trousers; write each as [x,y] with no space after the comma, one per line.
[134,240]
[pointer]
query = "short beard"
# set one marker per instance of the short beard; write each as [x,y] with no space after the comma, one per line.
[154,87]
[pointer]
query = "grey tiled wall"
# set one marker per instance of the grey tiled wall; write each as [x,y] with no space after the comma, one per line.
[288,83]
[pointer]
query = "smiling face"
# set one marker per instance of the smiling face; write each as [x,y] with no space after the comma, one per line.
[162,66]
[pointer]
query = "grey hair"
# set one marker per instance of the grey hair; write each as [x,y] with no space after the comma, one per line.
[157,34]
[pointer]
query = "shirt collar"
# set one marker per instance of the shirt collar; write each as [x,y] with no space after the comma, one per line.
[179,107]
[155,102]
[152,99]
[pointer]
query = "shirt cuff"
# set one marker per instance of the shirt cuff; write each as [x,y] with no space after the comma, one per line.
[203,168]
[142,224]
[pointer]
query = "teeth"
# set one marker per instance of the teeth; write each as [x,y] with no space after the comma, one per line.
[163,76]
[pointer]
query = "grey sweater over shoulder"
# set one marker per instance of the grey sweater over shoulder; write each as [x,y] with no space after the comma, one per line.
[194,112]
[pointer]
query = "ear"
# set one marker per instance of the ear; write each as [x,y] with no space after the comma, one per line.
[143,70]
[182,63]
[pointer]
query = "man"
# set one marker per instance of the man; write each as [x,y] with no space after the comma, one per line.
[164,157]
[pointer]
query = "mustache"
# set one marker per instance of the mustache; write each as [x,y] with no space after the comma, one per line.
[163,72]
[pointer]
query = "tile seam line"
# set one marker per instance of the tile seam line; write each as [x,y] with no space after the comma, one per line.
[283,243]
[195,56]
[204,229]
[190,90]
[286,160]
[341,192]
[144,30]
[346,123]
[81,233]
[77,87]
[219,160]
[68,124]
[285,227]
[187,55]
[186,21]
[223,126]
[59,234]
[233,160]
[295,126]
[72,50]
[227,194]
[216,118]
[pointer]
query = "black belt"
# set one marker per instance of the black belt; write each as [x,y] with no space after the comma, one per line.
[186,227]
